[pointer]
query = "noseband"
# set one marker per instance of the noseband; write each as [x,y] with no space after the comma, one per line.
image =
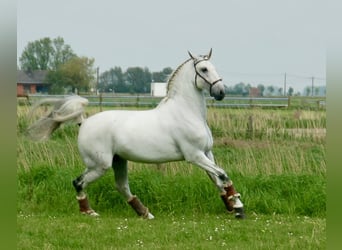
[211,84]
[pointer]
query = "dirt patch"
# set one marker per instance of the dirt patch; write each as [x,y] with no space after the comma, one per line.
[238,143]
[318,133]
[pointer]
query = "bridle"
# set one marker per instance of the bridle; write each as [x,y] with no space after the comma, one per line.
[211,84]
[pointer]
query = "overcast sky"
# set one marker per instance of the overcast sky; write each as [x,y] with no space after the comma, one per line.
[253,41]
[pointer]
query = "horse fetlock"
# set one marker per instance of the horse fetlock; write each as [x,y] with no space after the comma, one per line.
[84,205]
[139,208]
[228,203]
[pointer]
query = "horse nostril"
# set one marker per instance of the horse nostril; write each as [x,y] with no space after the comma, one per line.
[220,96]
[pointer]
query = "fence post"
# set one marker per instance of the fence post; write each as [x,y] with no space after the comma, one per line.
[138,99]
[318,104]
[100,101]
[288,101]
[250,130]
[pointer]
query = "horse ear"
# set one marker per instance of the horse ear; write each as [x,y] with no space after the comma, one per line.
[209,54]
[192,57]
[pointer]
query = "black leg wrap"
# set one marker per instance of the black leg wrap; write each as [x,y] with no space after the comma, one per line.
[77,184]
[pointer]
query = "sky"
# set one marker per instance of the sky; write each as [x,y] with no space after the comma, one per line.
[254,42]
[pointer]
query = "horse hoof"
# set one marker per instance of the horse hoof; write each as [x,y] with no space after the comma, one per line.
[94,214]
[90,213]
[239,213]
[149,216]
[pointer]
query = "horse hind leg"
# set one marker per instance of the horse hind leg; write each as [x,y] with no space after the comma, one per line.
[121,182]
[80,184]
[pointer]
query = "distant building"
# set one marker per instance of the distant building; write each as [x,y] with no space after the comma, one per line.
[158,89]
[32,82]
[254,92]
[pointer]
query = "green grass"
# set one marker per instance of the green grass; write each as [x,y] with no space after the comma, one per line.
[196,231]
[289,194]
[280,175]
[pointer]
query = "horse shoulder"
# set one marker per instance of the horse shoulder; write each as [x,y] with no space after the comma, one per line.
[192,132]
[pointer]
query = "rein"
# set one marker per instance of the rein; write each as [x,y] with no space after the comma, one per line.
[211,84]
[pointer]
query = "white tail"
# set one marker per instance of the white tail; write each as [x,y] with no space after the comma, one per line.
[66,109]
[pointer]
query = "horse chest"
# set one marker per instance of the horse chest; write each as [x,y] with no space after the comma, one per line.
[199,135]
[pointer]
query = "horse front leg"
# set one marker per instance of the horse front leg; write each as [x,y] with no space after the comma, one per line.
[229,196]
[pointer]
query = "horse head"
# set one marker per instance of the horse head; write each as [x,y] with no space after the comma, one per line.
[206,76]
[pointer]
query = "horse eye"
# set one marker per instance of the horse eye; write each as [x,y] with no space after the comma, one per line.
[204,70]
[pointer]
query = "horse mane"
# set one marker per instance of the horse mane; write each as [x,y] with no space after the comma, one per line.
[173,75]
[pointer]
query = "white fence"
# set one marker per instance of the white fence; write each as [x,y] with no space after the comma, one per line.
[150,101]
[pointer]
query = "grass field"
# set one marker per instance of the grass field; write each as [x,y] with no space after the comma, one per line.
[198,231]
[276,159]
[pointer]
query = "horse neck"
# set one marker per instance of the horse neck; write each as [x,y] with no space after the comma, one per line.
[184,93]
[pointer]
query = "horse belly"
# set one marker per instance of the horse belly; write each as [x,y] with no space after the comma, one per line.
[140,149]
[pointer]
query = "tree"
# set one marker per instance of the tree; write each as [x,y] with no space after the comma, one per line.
[280,91]
[45,54]
[134,79]
[261,88]
[167,71]
[37,55]
[290,91]
[61,54]
[307,91]
[112,80]
[138,79]
[76,73]
[270,89]
[56,78]
[162,76]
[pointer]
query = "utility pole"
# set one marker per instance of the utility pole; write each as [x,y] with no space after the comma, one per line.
[285,84]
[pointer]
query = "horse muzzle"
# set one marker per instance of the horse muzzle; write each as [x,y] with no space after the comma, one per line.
[217,91]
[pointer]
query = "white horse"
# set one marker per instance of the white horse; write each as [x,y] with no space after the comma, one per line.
[175,130]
